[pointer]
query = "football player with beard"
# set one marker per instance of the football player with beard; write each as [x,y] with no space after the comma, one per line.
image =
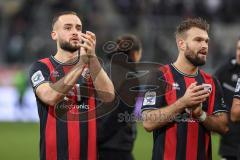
[182,119]
[65,86]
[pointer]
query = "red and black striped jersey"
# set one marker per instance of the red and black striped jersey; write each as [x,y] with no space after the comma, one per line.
[68,129]
[184,138]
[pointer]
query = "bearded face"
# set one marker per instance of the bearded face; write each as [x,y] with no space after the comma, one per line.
[68,46]
[197,58]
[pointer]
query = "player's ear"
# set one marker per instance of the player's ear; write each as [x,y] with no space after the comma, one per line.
[181,44]
[54,35]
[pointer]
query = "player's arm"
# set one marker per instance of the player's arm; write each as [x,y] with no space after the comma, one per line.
[153,119]
[235,110]
[157,118]
[101,81]
[218,121]
[52,93]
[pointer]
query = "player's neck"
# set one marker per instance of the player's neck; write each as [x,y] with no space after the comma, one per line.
[185,66]
[66,57]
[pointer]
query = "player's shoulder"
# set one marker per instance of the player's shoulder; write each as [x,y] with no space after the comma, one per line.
[42,61]
[38,72]
[164,68]
[39,65]
[208,77]
[206,74]
[159,70]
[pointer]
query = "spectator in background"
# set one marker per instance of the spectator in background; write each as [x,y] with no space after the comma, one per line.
[20,83]
[130,11]
[116,138]
[228,75]
[235,114]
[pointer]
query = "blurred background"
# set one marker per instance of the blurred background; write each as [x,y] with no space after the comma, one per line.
[25,27]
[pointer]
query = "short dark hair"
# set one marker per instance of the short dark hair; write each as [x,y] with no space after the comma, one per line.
[59,14]
[128,43]
[190,23]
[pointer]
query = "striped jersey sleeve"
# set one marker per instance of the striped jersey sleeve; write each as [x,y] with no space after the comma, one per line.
[38,74]
[154,95]
[219,104]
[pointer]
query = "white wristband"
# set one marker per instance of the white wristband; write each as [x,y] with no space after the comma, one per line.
[202,117]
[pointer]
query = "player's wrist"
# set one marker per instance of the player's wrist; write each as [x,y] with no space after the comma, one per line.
[197,111]
[181,104]
[84,59]
[202,117]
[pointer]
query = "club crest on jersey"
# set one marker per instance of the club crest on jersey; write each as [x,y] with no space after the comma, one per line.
[150,98]
[55,74]
[175,86]
[86,73]
[37,78]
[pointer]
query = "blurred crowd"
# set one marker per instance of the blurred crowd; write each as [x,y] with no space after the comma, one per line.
[26,25]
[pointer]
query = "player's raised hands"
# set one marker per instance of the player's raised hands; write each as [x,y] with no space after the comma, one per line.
[194,95]
[88,46]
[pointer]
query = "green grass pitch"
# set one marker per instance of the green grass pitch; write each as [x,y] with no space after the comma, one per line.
[21,141]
